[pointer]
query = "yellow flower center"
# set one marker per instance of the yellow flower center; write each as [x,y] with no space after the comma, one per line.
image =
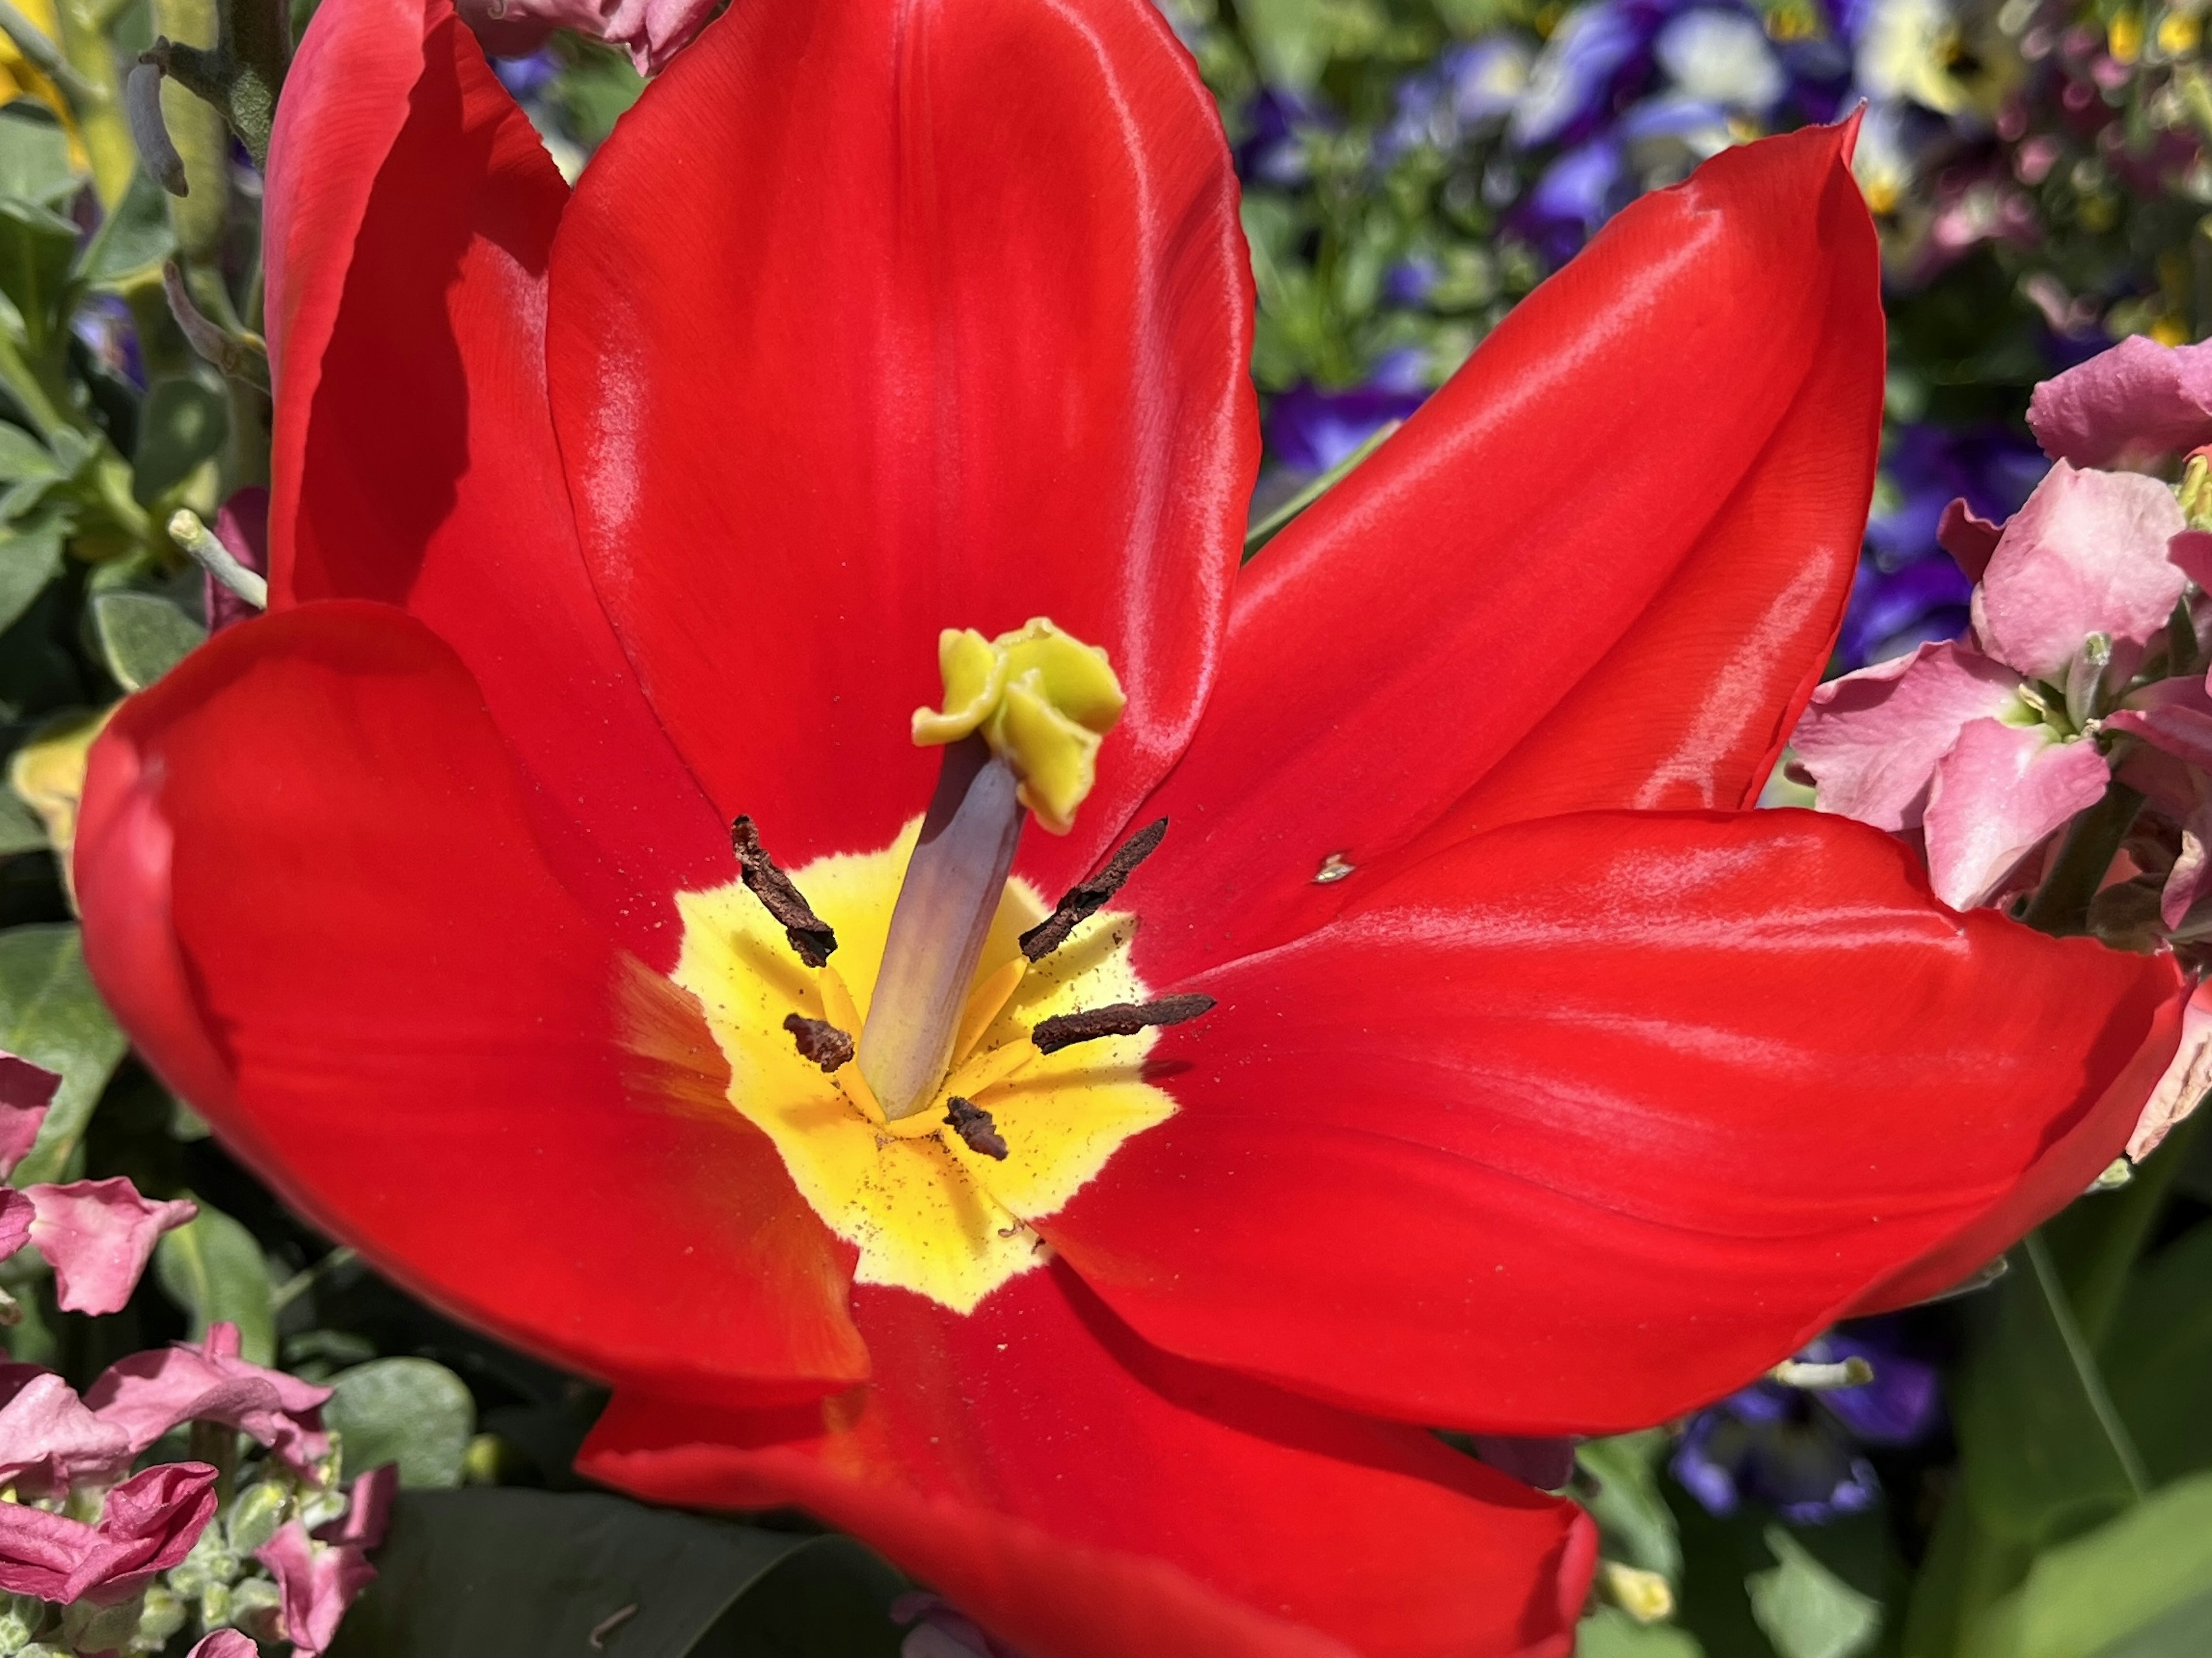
[971,1058]
[926,1212]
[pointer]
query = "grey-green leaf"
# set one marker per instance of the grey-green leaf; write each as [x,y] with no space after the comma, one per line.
[505,1573]
[132,240]
[1609,1632]
[51,1015]
[2122,1591]
[23,457]
[1639,1527]
[182,422]
[34,158]
[20,828]
[142,636]
[37,248]
[1807,1611]
[407,1411]
[30,557]
[213,1268]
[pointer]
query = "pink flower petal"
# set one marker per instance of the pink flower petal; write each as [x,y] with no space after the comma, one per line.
[2191,874]
[49,1441]
[655,30]
[223,1643]
[2183,732]
[1999,791]
[148,1394]
[26,1093]
[368,1508]
[149,1524]
[2185,1082]
[2190,552]
[318,1582]
[1872,738]
[98,1235]
[2130,406]
[17,1214]
[242,525]
[2087,555]
[1968,536]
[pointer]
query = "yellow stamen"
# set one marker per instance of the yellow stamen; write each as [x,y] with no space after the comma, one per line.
[989,1069]
[1042,698]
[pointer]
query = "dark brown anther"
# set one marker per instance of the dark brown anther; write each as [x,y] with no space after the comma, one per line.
[819,1041]
[1085,897]
[809,933]
[973,1124]
[1120,1019]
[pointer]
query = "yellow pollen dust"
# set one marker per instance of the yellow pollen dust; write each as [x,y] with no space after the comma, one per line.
[926,1212]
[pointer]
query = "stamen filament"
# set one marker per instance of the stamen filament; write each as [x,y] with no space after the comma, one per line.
[986,1004]
[951,892]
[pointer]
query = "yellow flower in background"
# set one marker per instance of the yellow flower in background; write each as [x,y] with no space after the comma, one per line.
[18,79]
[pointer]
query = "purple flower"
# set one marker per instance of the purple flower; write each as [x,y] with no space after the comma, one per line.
[1797,1452]
[1311,430]
[525,77]
[1274,148]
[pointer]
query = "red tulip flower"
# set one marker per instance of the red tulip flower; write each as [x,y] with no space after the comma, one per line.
[1544,1088]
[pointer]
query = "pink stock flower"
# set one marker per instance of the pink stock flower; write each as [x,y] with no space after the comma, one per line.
[2185,1082]
[1979,744]
[148,1394]
[49,1440]
[368,1508]
[26,1091]
[223,1643]
[317,1581]
[2087,555]
[98,1235]
[148,1523]
[655,30]
[2134,405]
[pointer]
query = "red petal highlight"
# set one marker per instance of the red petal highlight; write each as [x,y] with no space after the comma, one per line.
[412,209]
[427,1046]
[1592,1120]
[1083,1496]
[1648,480]
[856,336]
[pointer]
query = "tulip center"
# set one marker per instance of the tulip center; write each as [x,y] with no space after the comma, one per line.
[940,1057]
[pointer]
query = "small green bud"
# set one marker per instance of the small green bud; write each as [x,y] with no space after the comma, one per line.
[92,1628]
[163,1617]
[2196,492]
[255,1515]
[253,1608]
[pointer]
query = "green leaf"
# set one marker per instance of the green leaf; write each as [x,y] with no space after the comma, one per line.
[37,248]
[34,158]
[30,557]
[20,828]
[213,1268]
[1807,1611]
[182,422]
[2160,1354]
[51,1015]
[1289,38]
[1609,1632]
[2039,1463]
[142,636]
[22,456]
[133,241]
[1627,1506]
[407,1411]
[2120,1592]
[500,1572]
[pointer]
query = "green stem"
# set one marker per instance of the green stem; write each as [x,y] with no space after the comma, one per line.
[2063,905]
[24,384]
[2129,1216]
[1273,524]
[2086,1372]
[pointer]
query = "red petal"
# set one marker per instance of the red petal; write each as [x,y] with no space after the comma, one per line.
[1590,1120]
[412,210]
[1634,512]
[1083,1496]
[424,1043]
[858,334]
